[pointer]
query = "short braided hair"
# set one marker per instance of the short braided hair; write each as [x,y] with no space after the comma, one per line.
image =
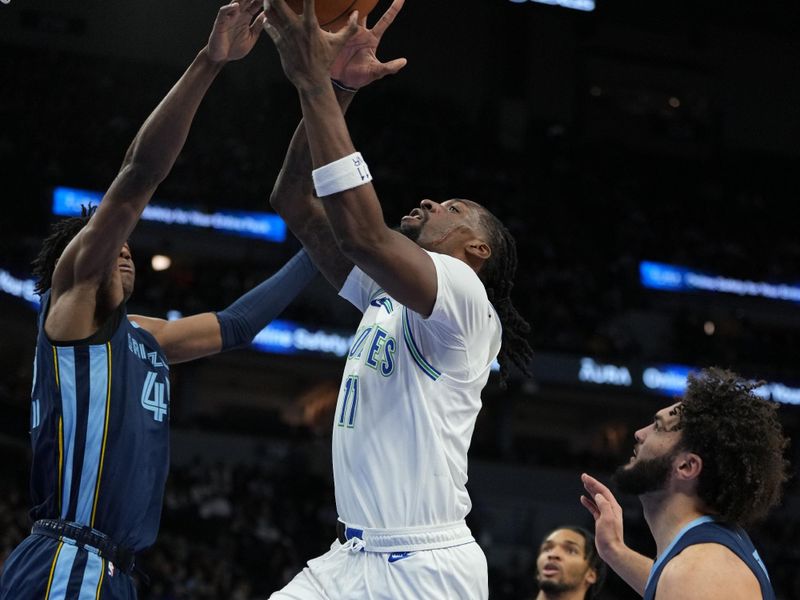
[61,234]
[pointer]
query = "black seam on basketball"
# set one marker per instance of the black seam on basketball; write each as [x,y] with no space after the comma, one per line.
[343,13]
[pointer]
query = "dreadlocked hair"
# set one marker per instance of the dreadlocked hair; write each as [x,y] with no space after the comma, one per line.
[497,274]
[61,234]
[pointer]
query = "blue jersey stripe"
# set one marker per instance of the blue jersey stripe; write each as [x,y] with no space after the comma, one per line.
[422,363]
[105,432]
[62,571]
[66,368]
[81,423]
[92,575]
[95,432]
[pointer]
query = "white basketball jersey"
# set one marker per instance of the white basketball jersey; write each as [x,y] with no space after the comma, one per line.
[409,398]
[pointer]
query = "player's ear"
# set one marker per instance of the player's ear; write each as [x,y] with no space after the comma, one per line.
[477,248]
[591,576]
[688,466]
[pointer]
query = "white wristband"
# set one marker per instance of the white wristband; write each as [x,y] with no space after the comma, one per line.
[340,175]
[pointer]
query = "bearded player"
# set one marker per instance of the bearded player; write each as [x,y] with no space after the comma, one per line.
[703,469]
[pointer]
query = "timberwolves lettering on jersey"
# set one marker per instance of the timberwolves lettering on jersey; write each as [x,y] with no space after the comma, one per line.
[99,432]
[376,347]
[408,401]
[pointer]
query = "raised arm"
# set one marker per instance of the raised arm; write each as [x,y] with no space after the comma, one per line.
[396,263]
[632,567]
[293,197]
[87,263]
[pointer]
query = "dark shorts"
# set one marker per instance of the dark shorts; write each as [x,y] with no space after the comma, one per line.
[42,568]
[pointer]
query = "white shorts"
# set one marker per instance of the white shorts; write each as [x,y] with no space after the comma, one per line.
[347,573]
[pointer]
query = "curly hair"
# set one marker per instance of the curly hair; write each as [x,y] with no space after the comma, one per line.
[497,274]
[61,234]
[741,442]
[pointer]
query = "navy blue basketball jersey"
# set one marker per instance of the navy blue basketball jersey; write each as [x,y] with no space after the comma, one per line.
[100,432]
[704,531]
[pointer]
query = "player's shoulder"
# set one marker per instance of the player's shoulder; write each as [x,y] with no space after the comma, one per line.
[456,272]
[709,571]
[450,261]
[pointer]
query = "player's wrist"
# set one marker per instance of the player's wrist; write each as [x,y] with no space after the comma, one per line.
[340,86]
[205,56]
[614,553]
[340,175]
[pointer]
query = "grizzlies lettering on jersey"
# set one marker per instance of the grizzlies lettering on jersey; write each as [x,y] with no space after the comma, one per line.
[707,531]
[409,398]
[99,432]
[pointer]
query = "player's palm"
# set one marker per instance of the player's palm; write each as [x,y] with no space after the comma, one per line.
[236,30]
[607,513]
[357,64]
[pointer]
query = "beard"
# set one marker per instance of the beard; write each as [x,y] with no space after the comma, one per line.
[555,587]
[411,233]
[645,476]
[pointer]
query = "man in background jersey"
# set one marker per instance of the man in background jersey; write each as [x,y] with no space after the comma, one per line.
[100,400]
[436,303]
[707,466]
[568,566]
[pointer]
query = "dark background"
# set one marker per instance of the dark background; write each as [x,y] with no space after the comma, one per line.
[639,131]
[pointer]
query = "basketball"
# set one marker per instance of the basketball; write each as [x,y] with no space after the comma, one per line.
[333,14]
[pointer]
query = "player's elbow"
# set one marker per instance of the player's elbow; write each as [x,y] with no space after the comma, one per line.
[140,176]
[143,167]
[277,201]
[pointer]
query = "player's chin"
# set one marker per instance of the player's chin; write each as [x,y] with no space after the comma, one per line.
[411,228]
[549,582]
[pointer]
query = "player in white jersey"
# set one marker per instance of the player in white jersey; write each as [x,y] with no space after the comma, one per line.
[436,306]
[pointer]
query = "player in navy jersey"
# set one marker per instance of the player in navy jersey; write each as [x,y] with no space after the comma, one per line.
[707,466]
[100,400]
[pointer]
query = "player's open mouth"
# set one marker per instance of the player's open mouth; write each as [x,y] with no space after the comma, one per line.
[414,214]
[550,569]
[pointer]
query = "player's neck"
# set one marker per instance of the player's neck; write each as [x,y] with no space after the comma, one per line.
[666,514]
[574,594]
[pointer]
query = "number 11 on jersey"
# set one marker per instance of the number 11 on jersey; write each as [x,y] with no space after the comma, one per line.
[347,416]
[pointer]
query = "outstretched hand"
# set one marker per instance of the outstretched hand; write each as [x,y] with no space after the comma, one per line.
[607,513]
[357,64]
[236,30]
[307,52]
